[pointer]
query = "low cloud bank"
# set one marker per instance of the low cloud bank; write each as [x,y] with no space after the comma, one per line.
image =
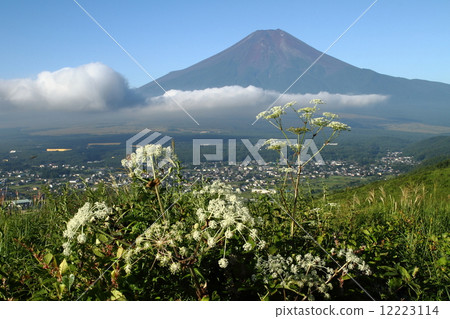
[97,89]
[231,97]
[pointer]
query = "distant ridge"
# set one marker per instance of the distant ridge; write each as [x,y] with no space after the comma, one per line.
[273,59]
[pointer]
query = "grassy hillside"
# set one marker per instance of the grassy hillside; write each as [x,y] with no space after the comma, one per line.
[434,178]
[405,224]
[144,241]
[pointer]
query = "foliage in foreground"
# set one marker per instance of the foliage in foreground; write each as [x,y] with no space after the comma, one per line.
[155,239]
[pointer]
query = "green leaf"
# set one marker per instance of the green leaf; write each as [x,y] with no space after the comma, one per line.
[98,252]
[388,271]
[102,238]
[68,281]
[48,258]
[365,231]
[198,273]
[405,274]
[117,295]
[63,267]
[395,283]
[442,261]
[119,252]
[320,239]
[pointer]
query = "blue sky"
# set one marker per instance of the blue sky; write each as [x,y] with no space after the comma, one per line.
[401,38]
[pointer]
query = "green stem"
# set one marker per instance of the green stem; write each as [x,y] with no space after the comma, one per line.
[157,190]
[198,289]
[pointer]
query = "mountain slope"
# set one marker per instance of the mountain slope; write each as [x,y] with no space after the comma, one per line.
[438,146]
[435,178]
[274,59]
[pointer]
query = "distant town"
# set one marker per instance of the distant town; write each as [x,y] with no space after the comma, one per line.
[24,188]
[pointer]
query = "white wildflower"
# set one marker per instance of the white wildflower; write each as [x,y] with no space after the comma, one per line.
[164,260]
[67,250]
[320,121]
[296,147]
[175,267]
[139,240]
[81,238]
[261,244]
[183,251]
[223,263]
[330,115]
[212,224]
[307,110]
[338,126]
[196,235]
[240,227]
[275,144]
[211,242]
[228,233]
[201,215]
[247,246]
[316,101]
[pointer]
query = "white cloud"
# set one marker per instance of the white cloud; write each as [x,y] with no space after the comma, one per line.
[212,98]
[90,87]
[232,97]
[335,100]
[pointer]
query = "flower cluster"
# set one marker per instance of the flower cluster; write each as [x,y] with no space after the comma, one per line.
[275,144]
[224,217]
[86,215]
[327,121]
[165,240]
[178,244]
[307,274]
[274,112]
[300,274]
[147,159]
[352,261]
[338,126]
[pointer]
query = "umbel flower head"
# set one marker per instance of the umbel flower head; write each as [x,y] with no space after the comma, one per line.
[274,114]
[86,215]
[147,158]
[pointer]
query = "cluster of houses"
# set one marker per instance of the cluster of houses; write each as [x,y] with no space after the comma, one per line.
[21,189]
